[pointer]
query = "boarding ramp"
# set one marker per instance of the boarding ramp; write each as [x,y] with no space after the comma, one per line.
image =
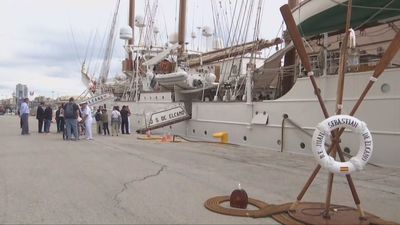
[163,118]
[98,100]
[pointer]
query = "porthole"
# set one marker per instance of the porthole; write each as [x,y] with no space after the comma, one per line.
[194,131]
[205,132]
[385,88]
[302,145]
[256,112]
[244,138]
[347,150]
[278,142]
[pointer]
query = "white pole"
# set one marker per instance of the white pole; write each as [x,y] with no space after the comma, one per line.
[137,77]
[248,85]
[325,54]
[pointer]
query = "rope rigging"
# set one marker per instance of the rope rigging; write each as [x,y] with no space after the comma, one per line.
[238,32]
[105,68]
[78,57]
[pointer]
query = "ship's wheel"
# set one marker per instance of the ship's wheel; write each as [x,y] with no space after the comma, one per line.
[326,213]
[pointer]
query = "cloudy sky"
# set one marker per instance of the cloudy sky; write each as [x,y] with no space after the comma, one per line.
[43,42]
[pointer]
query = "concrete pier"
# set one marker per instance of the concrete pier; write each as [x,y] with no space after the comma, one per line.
[123,180]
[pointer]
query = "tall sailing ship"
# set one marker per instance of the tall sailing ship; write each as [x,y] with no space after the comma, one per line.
[264,103]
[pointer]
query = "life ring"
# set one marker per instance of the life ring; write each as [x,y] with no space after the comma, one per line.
[357,162]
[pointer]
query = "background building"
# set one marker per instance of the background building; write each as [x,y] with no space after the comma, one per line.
[21,91]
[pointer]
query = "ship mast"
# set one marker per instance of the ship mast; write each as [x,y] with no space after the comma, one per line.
[128,64]
[290,57]
[182,26]
[131,21]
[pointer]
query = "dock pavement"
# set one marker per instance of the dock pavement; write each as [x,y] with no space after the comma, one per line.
[123,180]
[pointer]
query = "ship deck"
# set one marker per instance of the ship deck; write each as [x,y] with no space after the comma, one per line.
[124,180]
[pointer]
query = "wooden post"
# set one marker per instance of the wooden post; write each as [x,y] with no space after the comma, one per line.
[301,50]
[343,61]
[339,100]
[290,58]
[298,43]
[352,186]
[391,51]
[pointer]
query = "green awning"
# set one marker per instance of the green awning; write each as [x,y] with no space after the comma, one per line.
[365,13]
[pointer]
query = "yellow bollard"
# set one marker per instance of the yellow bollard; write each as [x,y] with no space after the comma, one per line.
[223,136]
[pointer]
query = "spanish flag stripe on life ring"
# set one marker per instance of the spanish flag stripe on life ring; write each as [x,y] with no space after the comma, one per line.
[344,169]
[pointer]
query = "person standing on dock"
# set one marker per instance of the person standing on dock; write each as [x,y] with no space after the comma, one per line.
[88,120]
[129,119]
[61,118]
[71,112]
[40,116]
[124,121]
[104,120]
[99,124]
[58,119]
[115,121]
[24,114]
[120,120]
[48,117]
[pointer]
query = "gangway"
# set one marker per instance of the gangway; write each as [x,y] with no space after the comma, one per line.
[164,117]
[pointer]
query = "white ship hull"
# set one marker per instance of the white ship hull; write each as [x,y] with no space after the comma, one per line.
[246,123]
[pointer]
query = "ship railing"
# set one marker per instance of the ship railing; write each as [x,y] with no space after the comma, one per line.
[357,61]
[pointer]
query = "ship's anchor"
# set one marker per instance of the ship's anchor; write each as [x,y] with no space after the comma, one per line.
[325,213]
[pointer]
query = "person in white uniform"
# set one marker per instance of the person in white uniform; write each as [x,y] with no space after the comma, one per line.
[88,120]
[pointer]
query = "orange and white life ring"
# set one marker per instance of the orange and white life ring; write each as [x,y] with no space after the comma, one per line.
[357,162]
